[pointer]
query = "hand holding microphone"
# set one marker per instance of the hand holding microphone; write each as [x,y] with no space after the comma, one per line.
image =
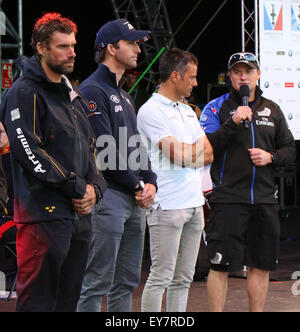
[244,94]
[244,112]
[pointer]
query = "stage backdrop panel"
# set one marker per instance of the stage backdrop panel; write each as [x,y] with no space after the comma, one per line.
[279,48]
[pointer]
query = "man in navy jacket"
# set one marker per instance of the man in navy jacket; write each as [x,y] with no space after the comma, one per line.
[56,182]
[115,262]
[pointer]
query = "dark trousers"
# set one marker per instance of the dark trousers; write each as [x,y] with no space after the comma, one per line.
[52,258]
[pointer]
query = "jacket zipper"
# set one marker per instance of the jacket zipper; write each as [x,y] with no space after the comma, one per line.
[79,138]
[253,146]
[223,166]
[80,145]
[254,167]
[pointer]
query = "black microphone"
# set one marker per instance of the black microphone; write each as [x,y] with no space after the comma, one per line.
[244,94]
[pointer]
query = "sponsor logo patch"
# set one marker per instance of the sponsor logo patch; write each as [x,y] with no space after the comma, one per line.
[114,99]
[38,166]
[265,112]
[93,106]
[15,114]
[50,208]
[118,108]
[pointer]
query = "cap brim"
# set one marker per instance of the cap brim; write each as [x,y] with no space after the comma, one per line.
[250,64]
[138,35]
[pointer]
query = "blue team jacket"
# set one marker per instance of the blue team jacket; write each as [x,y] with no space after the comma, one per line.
[112,114]
[236,179]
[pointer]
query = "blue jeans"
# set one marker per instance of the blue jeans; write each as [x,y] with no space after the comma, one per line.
[114,265]
[174,243]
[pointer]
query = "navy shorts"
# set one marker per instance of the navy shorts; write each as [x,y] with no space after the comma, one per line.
[243,235]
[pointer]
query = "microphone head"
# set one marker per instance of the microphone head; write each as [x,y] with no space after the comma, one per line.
[244,91]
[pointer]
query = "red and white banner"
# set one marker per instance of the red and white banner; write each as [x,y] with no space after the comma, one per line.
[7,75]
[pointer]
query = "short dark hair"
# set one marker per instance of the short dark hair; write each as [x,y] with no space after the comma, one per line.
[175,59]
[100,52]
[46,25]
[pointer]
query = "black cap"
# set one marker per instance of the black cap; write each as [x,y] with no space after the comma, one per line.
[243,57]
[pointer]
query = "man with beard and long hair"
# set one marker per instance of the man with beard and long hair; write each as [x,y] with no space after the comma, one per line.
[56,182]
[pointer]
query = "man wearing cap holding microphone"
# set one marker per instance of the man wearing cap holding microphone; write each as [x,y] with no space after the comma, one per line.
[250,138]
[114,265]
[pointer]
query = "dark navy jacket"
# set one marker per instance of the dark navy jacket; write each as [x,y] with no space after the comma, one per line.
[112,116]
[52,146]
[235,178]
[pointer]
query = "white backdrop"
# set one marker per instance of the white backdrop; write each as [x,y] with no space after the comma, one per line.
[279,44]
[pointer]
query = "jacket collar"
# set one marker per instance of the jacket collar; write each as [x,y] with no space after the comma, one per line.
[33,70]
[73,94]
[235,93]
[103,73]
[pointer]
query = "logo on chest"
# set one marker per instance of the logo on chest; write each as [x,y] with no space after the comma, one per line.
[118,108]
[264,122]
[115,99]
[264,112]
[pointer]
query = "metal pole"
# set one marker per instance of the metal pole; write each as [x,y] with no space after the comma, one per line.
[0,66]
[1,15]
[212,18]
[20,16]
[183,23]
[256,27]
[243,25]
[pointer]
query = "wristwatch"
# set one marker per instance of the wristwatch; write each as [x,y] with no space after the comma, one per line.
[140,186]
[98,193]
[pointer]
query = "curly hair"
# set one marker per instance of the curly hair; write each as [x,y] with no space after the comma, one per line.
[46,25]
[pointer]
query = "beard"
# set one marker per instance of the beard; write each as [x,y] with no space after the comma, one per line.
[64,68]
